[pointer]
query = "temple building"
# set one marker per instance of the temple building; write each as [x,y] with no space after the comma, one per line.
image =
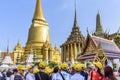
[39,39]
[18,50]
[108,51]
[7,60]
[99,48]
[101,33]
[74,45]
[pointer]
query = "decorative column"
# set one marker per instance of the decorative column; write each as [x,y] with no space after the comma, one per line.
[68,52]
[26,59]
[71,49]
[18,59]
[79,50]
[51,54]
[65,53]
[46,54]
[62,54]
[75,51]
[34,57]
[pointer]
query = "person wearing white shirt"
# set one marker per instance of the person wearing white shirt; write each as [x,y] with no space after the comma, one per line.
[65,74]
[77,75]
[56,75]
[29,75]
[15,72]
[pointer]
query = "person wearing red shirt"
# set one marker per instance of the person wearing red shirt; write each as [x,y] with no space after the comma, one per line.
[96,73]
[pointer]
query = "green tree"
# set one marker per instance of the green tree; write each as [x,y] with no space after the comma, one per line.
[117,40]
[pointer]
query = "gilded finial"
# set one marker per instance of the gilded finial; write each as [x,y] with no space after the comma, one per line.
[8,48]
[99,45]
[75,17]
[87,31]
[38,11]
[18,42]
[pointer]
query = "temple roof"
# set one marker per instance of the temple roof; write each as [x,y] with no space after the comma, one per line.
[76,35]
[109,47]
[109,55]
[106,44]
[7,60]
[5,54]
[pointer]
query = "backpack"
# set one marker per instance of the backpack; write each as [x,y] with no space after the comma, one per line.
[18,77]
[3,76]
[25,75]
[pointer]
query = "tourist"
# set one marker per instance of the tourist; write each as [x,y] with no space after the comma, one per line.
[89,70]
[119,73]
[96,74]
[83,72]
[48,71]
[15,72]
[73,69]
[20,75]
[56,74]
[36,70]
[77,75]
[41,75]
[29,75]
[4,74]
[108,73]
[9,73]
[1,76]
[64,72]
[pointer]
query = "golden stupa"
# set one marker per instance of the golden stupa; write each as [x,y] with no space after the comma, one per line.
[39,39]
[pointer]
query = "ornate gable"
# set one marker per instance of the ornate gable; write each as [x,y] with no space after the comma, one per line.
[90,45]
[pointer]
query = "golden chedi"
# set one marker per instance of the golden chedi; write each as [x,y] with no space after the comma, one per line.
[39,38]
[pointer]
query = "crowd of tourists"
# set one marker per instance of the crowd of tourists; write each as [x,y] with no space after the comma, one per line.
[76,71]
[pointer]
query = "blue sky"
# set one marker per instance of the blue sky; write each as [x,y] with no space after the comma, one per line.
[16,17]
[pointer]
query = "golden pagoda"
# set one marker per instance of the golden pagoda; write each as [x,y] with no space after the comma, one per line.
[74,45]
[18,50]
[39,39]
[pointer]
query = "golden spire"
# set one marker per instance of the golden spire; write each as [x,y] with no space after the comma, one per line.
[8,49]
[38,14]
[18,44]
[99,29]
[75,17]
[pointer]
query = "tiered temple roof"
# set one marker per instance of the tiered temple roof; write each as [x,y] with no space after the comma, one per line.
[109,48]
[76,35]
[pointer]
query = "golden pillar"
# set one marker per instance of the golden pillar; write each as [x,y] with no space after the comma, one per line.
[46,54]
[79,48]
[75,51]
[65,54]
[68,52]
[51,54]
[71,50]
[62,54]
